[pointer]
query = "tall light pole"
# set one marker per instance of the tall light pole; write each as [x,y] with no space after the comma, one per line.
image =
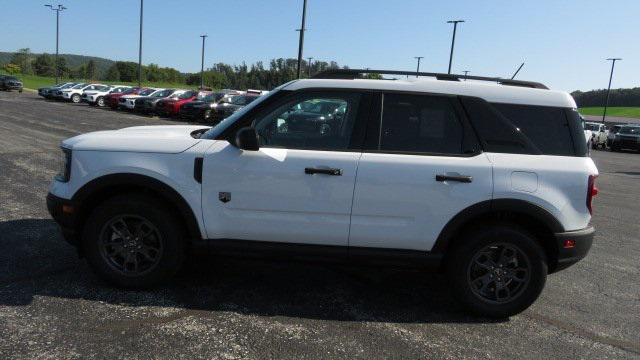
[301,42]
[418,68]
[606,103]
[453,40]
[466,72]
[57,10]
[140,47]
[202,64]
[309,65]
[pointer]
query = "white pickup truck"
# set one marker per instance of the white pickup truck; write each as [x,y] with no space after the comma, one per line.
[599,134]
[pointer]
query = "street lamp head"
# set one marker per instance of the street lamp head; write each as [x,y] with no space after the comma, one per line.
[614,59]
[454,21]
[49,6]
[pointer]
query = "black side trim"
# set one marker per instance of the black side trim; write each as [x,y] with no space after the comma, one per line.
[494,206]
[324,253]
[93,191]
[197,169]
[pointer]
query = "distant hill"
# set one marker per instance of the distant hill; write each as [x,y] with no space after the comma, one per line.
[73,61]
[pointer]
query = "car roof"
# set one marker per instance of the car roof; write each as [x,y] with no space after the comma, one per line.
[491,92]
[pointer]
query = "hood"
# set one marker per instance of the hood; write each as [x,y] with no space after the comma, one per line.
[171,139]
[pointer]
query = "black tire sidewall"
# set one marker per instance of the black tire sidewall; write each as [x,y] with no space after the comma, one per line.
[474,241]
[155,212]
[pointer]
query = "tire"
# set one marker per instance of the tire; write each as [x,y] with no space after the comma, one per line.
[131,263]
[100,101]
[75,98]
[522,278]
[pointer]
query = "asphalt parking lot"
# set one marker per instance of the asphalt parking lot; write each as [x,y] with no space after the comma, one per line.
[52,306]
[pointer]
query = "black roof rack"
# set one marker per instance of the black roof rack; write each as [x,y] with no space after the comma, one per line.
[356,73]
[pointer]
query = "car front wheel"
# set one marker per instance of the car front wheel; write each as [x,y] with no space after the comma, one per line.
[133,241]
[100,102]
[75,98]
[497,271]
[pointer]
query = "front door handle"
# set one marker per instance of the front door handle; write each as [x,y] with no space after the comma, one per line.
[332,172]
[458,178]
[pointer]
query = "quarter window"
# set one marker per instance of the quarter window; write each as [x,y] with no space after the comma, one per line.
[314,122]
[420,124]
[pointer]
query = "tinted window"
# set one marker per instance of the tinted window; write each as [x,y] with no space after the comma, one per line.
[546,127]
[303,124]
[418,123]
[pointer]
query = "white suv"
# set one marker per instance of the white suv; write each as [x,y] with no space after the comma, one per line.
[74,94]
[489,182]
[96,96]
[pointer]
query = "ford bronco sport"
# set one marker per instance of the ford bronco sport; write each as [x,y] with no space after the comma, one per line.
[486,179]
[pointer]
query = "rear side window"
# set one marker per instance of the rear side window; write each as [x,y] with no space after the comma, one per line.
[545,126]
[420,124]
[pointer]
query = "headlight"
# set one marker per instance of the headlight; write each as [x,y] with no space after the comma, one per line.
[64,166]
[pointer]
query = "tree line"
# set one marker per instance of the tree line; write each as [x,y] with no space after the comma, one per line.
[219,76]
[617,97]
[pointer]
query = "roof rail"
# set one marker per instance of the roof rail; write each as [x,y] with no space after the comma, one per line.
[357,73]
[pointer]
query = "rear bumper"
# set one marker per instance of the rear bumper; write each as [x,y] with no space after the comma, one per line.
[63,212]
[568,256]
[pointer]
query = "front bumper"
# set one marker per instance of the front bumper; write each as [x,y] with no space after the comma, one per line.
[569,255]
[63,212]
[13,87]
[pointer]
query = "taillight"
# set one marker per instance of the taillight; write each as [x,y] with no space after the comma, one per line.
[592,191]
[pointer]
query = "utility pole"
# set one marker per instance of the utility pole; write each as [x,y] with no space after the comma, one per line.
[517,71]
[57,10]
[418,68]
[606,103]
[309,65]
[140,47]
[465,74]
[301,42]
[202,64]
[453,40]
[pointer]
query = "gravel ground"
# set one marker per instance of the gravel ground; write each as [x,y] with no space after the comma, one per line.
[52,306]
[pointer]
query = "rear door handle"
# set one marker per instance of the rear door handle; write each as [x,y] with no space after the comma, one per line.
[458,178]
[330,171]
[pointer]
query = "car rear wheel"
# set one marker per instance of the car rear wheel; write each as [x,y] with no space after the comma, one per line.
[75,98]
[133,241]
[497,271]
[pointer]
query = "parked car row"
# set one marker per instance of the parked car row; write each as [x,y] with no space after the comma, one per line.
[616,138]
[194,105]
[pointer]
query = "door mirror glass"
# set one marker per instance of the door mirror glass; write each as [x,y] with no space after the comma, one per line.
[247,139]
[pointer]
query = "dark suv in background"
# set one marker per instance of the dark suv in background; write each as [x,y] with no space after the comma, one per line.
[628,137]
[8,83]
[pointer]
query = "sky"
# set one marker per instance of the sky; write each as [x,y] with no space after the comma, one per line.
[564,43]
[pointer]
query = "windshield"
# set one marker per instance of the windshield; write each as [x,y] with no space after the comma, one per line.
[67,86]
[635,130]
[592,127]
[79,86]
[162,93]
[147,92]
[222,125]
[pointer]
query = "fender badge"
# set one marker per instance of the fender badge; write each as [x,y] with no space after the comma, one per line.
[225,197]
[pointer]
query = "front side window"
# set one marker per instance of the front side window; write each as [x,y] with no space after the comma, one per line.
[314,121]
[420,124]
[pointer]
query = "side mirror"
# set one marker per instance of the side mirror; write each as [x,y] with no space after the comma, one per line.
[247,139]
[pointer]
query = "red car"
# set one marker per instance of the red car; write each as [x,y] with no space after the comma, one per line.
[111,100]
[171,106]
